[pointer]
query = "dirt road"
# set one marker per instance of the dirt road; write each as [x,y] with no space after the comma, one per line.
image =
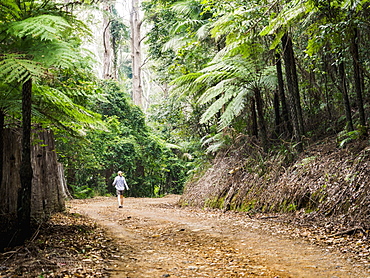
[159,239]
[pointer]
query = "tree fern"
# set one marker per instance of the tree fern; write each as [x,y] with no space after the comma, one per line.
[355,5]
[203,31]
[175,43]
[189,23]
[294,10]
[235,24]
[51,101]
[55,54]
[215,108]
[9,9]
[185,85]
[43,27]
[222,87]
[234,108]
[16,68]
[10,99]
[213,77]
[188,8]
[226,85]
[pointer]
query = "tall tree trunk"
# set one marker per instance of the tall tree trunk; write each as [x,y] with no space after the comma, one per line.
[295,86]
[261,118]
[277,114]
[2,117]
[291,74]
[107,60]
[284,105]
[346,103]
[357,76]
[135,23]
[25,172]
[254,118]
[328,97]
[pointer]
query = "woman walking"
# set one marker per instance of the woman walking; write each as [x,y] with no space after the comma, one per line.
[121,185]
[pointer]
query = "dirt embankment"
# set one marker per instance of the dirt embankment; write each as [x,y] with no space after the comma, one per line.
[329,185]
[158,239]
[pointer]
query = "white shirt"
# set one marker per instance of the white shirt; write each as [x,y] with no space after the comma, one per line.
[120,183]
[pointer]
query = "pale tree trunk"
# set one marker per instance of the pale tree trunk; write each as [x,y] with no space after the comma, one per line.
[107,60]
[63,189]
[135,24]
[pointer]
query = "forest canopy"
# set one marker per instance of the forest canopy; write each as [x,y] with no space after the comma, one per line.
[277,70]
[98,129]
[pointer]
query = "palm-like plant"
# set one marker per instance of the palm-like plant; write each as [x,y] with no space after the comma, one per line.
[232,80]
[38,38]
[193,25]
[226,86]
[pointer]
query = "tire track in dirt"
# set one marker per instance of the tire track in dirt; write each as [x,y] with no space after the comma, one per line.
[158,239]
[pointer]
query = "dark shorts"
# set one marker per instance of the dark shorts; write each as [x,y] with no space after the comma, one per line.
[120,192]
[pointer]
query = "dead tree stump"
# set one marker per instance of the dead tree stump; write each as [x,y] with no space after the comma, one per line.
[48,185]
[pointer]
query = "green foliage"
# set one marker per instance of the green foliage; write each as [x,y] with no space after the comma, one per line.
[82,192]
[344,137]
[226,84]
[39,43]
[151,166]
[214,144]
[42,27]
[186,45]
[16,68]
[290,14]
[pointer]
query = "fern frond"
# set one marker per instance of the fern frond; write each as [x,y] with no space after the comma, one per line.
[234,108]
[9,9]
[185,84]
[268,78]
[55,102]
[213,143]
[16,68]
[285,17]
[57,54]
[222,26]
[187,8]
[214,108]
[204,31]
[10,98]
[43,27]
[212,78]
[225,86]
[354,5]
[189,23]
[185,79]
[175,43]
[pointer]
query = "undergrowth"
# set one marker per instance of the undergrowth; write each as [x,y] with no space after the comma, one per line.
[329,179]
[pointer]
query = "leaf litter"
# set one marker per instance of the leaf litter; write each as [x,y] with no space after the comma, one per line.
[68,245]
